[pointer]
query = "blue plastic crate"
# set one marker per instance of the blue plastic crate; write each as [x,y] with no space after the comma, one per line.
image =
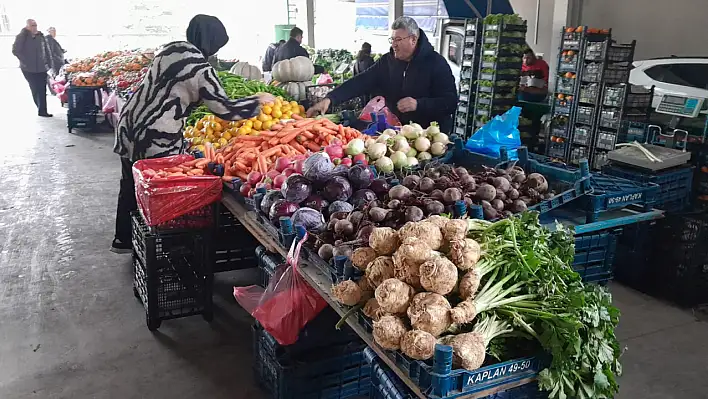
[595,256]
[386,385]
[610,192]
[336,373]
[674,184]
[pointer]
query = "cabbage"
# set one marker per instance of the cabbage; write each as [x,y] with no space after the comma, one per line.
[269,199]
[355,147]
[376,151]
[362,197]
[316,202]
[399,159]
[337,188]
[424,156]
[281,208]
[339,206]
[310,219]
[360,176]
[296,188]
[384,164]
[317,167]
[340,170]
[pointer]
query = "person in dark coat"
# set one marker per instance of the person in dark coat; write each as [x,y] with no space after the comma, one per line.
[267,65]
[31,49]
[364,60]
[55,50]
[292,48]
[416,82]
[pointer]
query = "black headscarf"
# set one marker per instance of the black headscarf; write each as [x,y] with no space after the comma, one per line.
[207,33]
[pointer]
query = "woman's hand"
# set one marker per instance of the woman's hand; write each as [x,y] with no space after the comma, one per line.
[319,108]
[265,98]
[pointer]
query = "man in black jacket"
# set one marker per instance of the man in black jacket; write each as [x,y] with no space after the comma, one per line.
[415,80]
[291,48]
[31,49]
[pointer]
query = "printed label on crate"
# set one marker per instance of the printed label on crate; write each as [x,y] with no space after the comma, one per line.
[622,199]
[515,368]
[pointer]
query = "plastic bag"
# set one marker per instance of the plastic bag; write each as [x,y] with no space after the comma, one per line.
[325,79]
[377,106]
[287,304]
[502,131]
[109,102]
[161,200]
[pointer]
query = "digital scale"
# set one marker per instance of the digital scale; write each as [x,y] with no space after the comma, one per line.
[687,107]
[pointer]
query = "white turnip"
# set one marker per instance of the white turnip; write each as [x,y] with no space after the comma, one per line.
[388,332]
[430,312]
[394,296]
[438,275]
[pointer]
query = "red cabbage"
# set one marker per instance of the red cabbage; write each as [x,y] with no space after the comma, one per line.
[281,208]
[340,206]
[317,167]
[316,202]
[269,199]
[337,188]
[340,170]
[360,176]
[310,219]
[362,197]
[296,188]
[380,187]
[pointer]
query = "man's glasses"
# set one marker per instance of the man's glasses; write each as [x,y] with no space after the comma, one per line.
[397,40]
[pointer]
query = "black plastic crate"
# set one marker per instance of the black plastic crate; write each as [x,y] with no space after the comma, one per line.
[84,105]
[338,372]
[172,273]
[234,246]
[267,262]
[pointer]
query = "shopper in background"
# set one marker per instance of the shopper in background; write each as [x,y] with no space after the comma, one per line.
[416,81]
[292,48]
[534,78]
[151,122]
[267,65]
[55,50]
[364,60]
[31,49]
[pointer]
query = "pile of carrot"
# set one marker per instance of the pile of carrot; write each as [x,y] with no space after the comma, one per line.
[195,167]
[247,153]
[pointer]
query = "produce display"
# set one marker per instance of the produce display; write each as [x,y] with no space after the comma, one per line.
[407,148]
[477,286]
[122,71]
[246,71]
[335,60]
[237,87]
[218,132]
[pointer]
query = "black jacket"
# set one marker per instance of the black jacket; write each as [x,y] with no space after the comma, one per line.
[362,65]
[267,65]
[57,53]
[288,50]
[427,78]
[32,51]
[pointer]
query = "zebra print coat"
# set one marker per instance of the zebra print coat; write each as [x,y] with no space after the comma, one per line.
[179,79]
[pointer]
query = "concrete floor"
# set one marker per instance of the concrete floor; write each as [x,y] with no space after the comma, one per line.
[71,328]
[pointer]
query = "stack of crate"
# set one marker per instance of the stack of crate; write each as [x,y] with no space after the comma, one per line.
[464,118]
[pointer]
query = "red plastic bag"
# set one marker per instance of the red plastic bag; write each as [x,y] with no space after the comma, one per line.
[378,106]
[163,199]
[287,304]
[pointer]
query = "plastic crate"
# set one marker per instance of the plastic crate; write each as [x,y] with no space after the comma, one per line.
[633,255]
[674,184]
[595,256]
[172,273]
[234,246]
[84,104]
[267,264]
[386,385]
[336,373]
[610,192]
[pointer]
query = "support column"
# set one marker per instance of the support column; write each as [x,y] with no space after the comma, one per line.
[395,10]
[310,10]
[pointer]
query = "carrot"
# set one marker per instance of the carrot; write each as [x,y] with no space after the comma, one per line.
[197,172]
[202,163]
[290,137]
[219,159]
[264,146]
[239,166]
[341,129]
[249,138]
[276,127]
[190,163]
[307,135]
[262,164]
[285,131]
[305,122]
[242,175]
[227,178]
[277,150]
[297,117]
[298,147]
[312,146]
[274,141]
[268,133]
[324,130]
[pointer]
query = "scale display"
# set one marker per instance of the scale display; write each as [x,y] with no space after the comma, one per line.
[680,106]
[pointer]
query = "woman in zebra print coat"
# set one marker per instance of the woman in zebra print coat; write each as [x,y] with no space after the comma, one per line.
[151,123]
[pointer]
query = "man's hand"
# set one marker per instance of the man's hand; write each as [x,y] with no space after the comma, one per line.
[319,108]
[408,104]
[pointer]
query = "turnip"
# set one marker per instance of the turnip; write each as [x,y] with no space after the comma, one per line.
[384,164]
[394,296]
[469,348]
[388,332]
[430,312]
[418,345]
[412,162]
[401,193]
[361,257]
[326,252]
[347,293]
[424,156]
[413,214]
[438,275]
[465,253]
[423,230]
[355,147]
[411,181]
[376,151]
[390,133]
[399,159]
[441,138]
[379,270]
[426,185]
[369,142]
[409,132]
[432,130]
[372,310]
[254,178]
[281,164]
[486,192]
[346,161]
[400,144]
[422,144]
[452,195]
[334,151]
